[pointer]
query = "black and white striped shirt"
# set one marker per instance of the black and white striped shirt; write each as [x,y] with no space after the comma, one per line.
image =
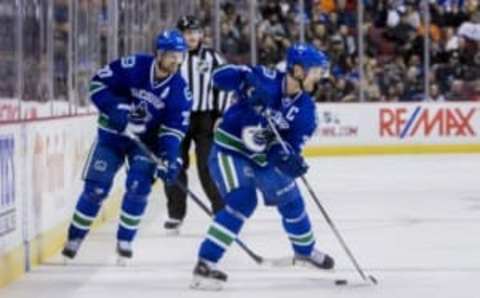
[197,70]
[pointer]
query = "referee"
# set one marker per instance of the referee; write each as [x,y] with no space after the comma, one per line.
[208,105]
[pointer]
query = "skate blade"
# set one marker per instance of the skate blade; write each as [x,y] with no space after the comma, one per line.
[206,284]
[66,260]
[172,232]
[280,262]
[309,265]
[122,261]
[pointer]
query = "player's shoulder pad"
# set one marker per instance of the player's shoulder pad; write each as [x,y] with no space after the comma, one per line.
[307,113]
[138,60]
[310,107]
[144,57]
[177,80]
[266,72]
[180,86]
[307,101]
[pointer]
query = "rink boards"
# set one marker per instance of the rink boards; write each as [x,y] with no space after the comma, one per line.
[396,128]
[41,163]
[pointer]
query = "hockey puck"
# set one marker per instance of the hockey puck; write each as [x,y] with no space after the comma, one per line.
[340,282]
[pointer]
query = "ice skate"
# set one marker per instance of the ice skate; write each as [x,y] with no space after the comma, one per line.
[172,226]
[124,252]
[70,249]
[316,259]
[205,277]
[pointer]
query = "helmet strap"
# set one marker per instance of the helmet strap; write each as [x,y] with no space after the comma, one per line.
[160,72]
[291,72]
[292,77]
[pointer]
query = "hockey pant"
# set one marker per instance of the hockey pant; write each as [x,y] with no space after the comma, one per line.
[107,155]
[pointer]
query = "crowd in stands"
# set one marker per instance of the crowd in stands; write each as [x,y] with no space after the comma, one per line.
[393,40]
[394,32]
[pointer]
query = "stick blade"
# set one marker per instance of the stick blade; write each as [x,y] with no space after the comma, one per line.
[373,279]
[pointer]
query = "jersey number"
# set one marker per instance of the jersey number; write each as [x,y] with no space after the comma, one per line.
[128,62]
[105,72]
[186,118]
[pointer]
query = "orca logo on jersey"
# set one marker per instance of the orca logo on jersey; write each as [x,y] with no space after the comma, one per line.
[149,97]
[254,138]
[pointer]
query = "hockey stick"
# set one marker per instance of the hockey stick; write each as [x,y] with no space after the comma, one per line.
[320,206]
[257,258]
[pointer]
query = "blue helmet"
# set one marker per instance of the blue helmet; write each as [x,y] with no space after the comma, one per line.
[171,40]
[306,56]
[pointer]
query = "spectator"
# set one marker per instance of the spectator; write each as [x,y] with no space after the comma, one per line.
[435,94]
[269,52]
[394,43]
[475,94]
[344,91]
[457,92]
[392,94]
[452,39]
[373,93]
[453,70]
[348,40]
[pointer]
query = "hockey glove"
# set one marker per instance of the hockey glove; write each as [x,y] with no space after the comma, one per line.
[118,119]
[290,163]
[169,171]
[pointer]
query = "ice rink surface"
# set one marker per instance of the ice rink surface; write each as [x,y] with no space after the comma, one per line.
[411,221]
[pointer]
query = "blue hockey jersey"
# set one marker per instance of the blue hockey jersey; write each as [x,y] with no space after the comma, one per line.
[130,82]
[243,130]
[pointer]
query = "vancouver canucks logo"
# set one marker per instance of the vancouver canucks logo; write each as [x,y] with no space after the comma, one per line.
[149,97]
[254,138]
[141,113]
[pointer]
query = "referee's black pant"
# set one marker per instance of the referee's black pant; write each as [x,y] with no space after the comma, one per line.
[201,132]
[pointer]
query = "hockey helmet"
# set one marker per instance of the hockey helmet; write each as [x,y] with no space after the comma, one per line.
[171,40]
[307,56]
[189,23]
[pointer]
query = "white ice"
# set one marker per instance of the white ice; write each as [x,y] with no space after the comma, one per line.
[412,221]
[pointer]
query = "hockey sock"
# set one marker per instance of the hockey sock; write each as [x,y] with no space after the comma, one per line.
[221,233]
[85,213]
[131,213]
[227,223]
[297,225]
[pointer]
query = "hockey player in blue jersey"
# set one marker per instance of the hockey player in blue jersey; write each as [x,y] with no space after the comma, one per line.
[246,156]
[143,95]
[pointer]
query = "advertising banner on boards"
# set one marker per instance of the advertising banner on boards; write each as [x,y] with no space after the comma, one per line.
[8,222]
